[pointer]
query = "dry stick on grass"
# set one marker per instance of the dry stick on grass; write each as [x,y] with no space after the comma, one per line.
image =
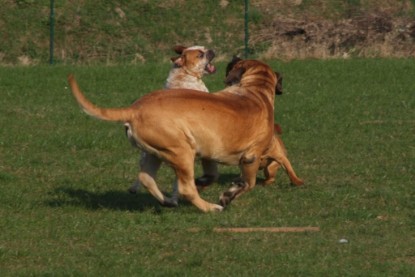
[261,229]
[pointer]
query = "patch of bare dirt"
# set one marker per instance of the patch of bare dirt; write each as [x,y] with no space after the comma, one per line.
[372,35]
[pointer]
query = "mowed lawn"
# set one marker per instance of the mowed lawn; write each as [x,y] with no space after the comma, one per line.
[349,128]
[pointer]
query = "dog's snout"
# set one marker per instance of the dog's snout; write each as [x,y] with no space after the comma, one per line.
[210,55]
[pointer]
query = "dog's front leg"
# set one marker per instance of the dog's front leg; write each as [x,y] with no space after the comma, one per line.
[290,171]
[184,169]
[249,168]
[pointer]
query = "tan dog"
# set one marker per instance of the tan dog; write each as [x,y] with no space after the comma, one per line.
[187,72]
[274,157]
[233,126]
[269,166]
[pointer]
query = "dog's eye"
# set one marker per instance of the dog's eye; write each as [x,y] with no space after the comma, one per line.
[201,55]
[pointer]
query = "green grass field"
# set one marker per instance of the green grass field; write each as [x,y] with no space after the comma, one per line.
[349,129]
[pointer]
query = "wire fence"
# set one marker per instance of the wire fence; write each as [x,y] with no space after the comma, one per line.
[104,32]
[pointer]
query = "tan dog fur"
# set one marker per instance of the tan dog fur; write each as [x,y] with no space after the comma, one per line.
[187,71]
[233,126]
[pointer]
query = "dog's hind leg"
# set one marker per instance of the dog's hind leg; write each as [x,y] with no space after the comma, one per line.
[278,153]
[149,167]
[134,187]
[184,168]
[270,166]
[152,164]
[270,171]
[290,171]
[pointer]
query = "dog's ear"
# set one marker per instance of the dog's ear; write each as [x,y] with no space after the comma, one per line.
[179,49]
[234,76]
[231,64]
[278,86]
[177,61]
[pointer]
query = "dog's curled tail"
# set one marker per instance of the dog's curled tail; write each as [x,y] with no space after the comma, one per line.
[121,114]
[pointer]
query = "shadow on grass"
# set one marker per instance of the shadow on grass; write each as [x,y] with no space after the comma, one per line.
[226,179]
[117,199]
[113,200]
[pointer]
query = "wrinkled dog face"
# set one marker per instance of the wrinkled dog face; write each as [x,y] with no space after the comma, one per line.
[232,64]
[195,59]
[234,74]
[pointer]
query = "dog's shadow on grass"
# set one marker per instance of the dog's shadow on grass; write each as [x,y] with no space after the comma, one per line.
[112,200]
[115,199]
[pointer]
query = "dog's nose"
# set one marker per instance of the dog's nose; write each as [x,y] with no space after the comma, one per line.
[210,55]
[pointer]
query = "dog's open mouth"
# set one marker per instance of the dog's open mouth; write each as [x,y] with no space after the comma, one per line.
[210,68]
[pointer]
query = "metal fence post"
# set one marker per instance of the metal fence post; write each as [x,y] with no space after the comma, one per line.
[52,31]
[246,29]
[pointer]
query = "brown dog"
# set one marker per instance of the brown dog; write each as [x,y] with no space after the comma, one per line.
[274,157]
[270,167]
[186,73]
[233,126]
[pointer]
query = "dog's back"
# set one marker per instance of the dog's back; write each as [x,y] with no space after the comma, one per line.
[213,123]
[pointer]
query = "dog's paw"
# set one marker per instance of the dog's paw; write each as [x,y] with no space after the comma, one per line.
[134,187]
[268,182]
[216,208]
[297,182]
[170,203]
[226,198]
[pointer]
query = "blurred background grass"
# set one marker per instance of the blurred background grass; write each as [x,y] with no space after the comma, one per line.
[131,32]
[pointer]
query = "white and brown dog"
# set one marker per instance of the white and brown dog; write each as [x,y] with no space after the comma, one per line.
[188,69]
